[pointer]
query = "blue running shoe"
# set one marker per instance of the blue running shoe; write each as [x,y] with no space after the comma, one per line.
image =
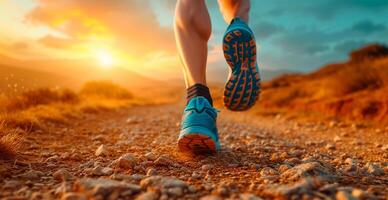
[243,87]
[198,133]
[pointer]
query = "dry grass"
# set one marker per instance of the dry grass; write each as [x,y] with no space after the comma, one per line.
[356,89]
[359,77]
[37,97]
[31,110]
[102,89]
[10,140]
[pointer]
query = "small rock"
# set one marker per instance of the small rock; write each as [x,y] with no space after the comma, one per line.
[196,175]
[152,172]
[351,165]
[36,196]
[337,138]
[32,175]
[105,187]
[73,196]
[102,171]
[374,169]
[211,197]
[54,158]
[101,151]
[333,123]
[385,147]
[192,189]
[284,191]
[175,191]
[150,156]
[330,146]
[126,161]
[356,142]
[308,169]
[283,168]
[148,196]
[163,160]
[267,171]
[359,194]
[162,183]
[343,195]
[207,167]
[249,197]
[62,175]
[132,120]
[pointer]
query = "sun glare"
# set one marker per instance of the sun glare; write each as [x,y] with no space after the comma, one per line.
[105,58]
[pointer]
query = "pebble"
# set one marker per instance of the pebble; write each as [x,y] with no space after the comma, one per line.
[152,172]
[101,151]
[337,138]
[343,195]
[102,171]
[284,167]
[150,156]
[211,197]
[126,161]
[62,175]
[196,175]
[73,196]
[162,183]
[150,195]
[249,197]
[286,191]
[267,171]
[175,191]
[207,167]
[330,146]
[163,160]
[351,165]
[359,194]
[54,158]
[105,187]
[374,169]
[307,169]
[32,175]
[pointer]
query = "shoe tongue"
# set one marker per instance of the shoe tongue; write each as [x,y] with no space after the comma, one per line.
[199,103]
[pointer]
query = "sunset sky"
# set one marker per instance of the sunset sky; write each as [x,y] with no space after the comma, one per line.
[138,34]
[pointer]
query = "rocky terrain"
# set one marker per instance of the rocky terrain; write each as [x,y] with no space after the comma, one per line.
[131,154]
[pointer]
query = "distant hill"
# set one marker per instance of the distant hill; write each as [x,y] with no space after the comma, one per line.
[20,75]
[356,89]
[16,79]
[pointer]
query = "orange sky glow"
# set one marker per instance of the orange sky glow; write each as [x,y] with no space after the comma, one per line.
[105,33]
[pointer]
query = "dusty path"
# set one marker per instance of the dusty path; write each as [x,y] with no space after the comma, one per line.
[265,157]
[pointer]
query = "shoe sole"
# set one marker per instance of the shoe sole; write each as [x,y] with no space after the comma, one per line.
[243,87]
[197,144]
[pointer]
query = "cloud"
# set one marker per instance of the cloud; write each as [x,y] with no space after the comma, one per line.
[265,29]
[56,42]
[129,25]
[304,42]
[367,26]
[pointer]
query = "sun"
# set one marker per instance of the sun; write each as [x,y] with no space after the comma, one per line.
[105,58]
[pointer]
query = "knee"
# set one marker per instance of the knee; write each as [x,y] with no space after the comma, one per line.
[193,16]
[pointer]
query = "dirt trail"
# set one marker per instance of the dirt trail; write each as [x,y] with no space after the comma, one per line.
[262,157]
